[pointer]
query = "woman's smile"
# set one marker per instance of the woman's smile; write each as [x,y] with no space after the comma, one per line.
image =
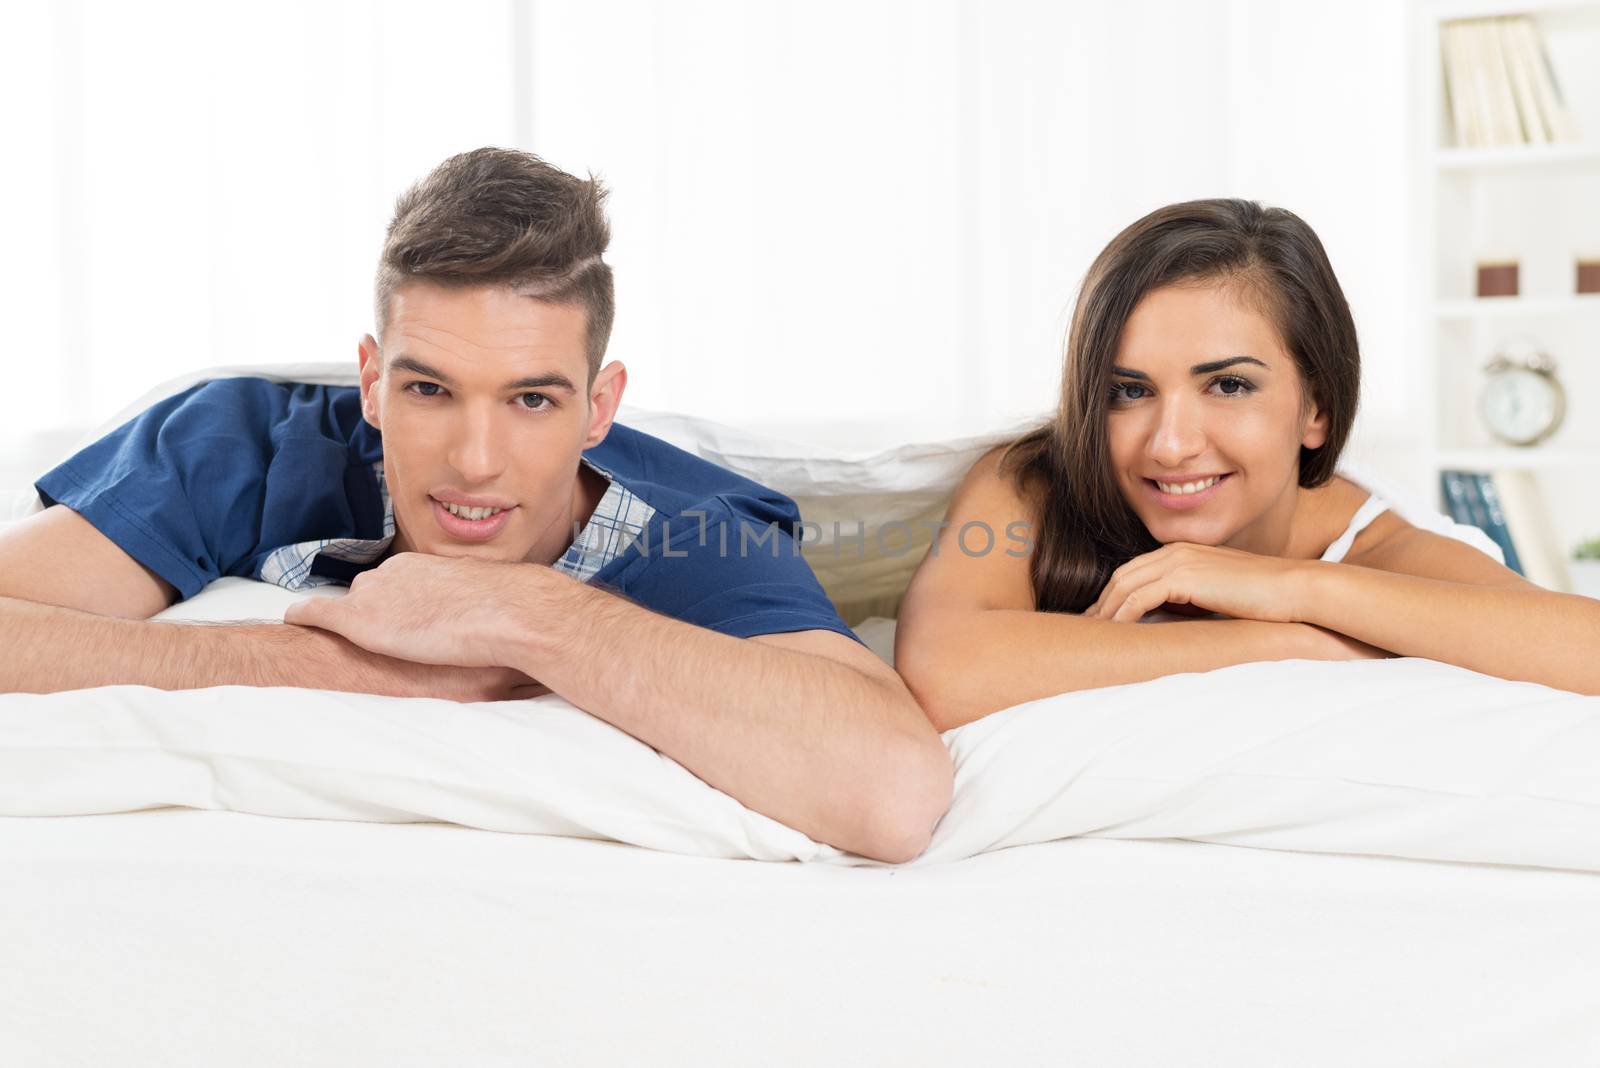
[1186,493]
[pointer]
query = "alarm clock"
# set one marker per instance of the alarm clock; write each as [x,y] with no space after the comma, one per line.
[1522,401]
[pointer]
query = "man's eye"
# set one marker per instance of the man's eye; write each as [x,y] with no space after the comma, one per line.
[540,398]
[424,386]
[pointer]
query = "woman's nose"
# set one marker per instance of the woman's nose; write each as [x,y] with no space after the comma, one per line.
[1178,435]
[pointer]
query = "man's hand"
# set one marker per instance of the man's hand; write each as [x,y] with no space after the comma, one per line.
[424,608]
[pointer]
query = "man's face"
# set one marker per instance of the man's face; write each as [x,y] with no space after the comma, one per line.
[484,403]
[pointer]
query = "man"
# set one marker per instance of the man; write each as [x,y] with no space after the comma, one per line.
[446,490]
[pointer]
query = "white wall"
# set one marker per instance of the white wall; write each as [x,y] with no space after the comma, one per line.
[850,221]
[195,184]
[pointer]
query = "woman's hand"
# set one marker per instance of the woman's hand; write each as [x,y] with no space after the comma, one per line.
[1230,582]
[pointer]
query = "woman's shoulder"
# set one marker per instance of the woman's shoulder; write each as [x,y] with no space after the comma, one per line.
[980,556]
[1346,501]
[993,486]
[1392,543]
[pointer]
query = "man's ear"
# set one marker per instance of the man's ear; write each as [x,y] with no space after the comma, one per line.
[605,394]
[371,365]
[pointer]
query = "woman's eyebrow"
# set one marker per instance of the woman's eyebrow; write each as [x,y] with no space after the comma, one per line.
[1217,365]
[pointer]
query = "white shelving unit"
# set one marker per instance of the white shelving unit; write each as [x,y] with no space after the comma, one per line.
[1539,205]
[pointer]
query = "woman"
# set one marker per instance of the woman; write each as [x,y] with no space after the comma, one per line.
[1211,380]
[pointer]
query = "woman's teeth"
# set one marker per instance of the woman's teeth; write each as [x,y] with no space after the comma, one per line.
[470,513]
[1180,488]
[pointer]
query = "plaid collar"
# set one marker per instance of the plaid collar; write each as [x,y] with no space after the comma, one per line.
[618,519]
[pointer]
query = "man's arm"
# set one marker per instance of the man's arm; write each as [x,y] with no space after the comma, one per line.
[809,728]
[58,557]
[74,613]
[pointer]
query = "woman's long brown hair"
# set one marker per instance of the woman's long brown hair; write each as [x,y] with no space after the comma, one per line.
[1084,528]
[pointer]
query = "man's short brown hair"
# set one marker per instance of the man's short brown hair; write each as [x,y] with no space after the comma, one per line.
[501,217]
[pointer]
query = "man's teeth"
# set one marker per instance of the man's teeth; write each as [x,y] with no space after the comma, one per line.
[1180,488]
[470,513]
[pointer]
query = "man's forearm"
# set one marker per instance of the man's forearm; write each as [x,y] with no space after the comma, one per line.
[809,741]
[47,649]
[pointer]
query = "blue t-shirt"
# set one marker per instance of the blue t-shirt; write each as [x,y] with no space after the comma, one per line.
[220,478]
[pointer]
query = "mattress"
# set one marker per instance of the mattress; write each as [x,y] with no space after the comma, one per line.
[188,937]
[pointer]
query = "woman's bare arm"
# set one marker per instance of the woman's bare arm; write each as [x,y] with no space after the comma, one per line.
[1421,594]
[970,641]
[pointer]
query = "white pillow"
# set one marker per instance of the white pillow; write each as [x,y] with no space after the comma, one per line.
[1401,757]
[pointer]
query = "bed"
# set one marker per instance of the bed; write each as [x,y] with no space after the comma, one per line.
[191,937]
[1391,862]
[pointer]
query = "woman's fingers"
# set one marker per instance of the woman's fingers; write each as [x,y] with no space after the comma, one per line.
[1142,601]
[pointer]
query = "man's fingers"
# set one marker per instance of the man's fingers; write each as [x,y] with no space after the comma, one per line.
[312,612]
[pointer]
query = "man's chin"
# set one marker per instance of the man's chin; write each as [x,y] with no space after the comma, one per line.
[469,552]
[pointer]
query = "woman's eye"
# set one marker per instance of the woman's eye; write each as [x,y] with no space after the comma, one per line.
[1233,386]
[1127,391]
[543,401]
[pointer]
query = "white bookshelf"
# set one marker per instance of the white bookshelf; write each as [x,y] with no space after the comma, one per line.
[1504,308]
[1525,157]
[1539,205]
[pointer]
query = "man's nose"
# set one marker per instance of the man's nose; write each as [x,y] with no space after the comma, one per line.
[1179,435]
[476,450]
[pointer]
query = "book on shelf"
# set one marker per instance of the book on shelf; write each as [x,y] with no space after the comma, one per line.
[1509,507]
[1521,71]
[1547,96]
[1494,514]
[1500,88]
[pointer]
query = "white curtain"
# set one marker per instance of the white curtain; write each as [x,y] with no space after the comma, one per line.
[193,184]
[852,220]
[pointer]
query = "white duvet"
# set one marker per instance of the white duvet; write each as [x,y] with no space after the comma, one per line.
[1403,757]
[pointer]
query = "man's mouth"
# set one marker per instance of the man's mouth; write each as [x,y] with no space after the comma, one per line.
[464,512]
[470,523]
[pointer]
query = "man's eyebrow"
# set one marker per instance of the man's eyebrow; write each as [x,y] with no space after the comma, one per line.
[545,381]
[415,366]
[1217,365]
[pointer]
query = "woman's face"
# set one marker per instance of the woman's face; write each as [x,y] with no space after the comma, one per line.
[1205,419]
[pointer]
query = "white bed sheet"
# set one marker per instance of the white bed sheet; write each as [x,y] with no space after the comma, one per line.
[175,937]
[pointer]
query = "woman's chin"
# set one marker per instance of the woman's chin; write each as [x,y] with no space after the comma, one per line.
[1195,531]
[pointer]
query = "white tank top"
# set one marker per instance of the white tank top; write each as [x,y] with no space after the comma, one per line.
[1372,508]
